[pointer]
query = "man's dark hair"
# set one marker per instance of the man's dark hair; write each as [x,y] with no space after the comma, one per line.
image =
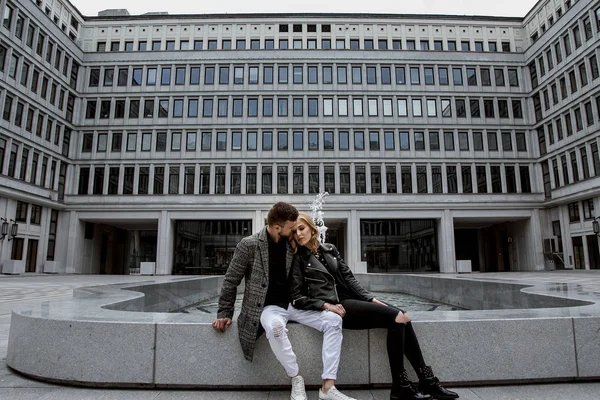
[281,213]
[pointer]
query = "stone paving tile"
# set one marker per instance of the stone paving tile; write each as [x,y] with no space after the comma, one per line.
[579,391]
[76,394]
[464,393]
[212,395]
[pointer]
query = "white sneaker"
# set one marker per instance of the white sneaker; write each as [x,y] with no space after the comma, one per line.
[298,391]
[333,394]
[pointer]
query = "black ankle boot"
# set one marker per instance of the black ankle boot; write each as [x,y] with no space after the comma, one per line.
[431,385]
[403,389]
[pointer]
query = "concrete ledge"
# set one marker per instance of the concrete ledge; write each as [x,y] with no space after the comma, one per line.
[102,337]
[488,351]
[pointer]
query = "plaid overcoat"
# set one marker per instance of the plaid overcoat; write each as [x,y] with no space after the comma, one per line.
[251,262]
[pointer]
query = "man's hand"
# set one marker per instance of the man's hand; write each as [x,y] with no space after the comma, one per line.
[221,324]
[336,308]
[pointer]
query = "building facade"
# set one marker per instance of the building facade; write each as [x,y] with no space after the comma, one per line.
[166,138]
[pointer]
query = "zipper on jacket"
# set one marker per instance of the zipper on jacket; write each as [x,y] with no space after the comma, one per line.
[332,277]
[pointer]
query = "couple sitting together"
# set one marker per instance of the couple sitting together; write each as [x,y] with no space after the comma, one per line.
[291,276]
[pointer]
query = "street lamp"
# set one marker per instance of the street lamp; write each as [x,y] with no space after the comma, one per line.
[596,226]
[14,229]
[3,228]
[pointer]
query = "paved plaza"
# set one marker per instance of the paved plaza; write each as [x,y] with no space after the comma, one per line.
[21,291]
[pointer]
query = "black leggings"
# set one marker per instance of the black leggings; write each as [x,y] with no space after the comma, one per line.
[401,338]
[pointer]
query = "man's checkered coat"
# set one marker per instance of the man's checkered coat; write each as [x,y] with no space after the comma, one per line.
[250,261]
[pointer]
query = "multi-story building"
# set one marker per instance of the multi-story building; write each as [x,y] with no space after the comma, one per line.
[166,138]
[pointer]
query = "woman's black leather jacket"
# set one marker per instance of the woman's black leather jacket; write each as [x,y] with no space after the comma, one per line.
[313,284]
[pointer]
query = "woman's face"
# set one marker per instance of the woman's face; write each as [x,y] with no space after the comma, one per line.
[302,233]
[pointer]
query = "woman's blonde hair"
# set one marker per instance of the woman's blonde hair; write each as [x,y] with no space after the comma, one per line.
[313,243]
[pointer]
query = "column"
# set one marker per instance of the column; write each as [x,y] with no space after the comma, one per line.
[164,247]
[447,255]
[536,248]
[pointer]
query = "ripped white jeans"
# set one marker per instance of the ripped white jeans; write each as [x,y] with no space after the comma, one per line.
[274,320]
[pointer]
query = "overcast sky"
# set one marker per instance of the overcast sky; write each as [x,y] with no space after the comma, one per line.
[510,8]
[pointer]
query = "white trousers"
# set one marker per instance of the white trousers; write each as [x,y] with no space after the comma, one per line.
[274,320]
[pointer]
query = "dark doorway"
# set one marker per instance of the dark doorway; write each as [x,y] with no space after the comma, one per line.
[495,246]
[578,252]
[31,260]
[593,252]
[113,243]
[466,246]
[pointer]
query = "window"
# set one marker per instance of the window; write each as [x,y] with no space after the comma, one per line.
[415,76]
[431,108]
[375,179]
[371,75]
[313,140]
[467,179]
[298,180]
[267,143]
[474,104]
[421,179]
[496,179]
[457,76]
[223,75]
[282,179]
[372,107]
[506,141]
[373,140]
[463,141]
[267,107]
[443,75]
[401,76]
[357,106]
[283,74]
[513,78]
[344,137]
[298,72]
[359,140]
[297,138]
[207,108]
[221,141]
[574,212]
[282,140]
[173,180]
[471,77]
[404,141]
[298,107]
[360,179]
[416,106]
[419,141]
[434,141]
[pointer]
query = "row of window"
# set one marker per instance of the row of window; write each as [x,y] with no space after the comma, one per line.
[301,43]
[35,217]
[26,117]
[42,87]
[302,106]
[41,46]
[553,54]
[302,179]
[570,167]
[29,165]
[569,122]
[587,206]
[300,140]
[578,78]
[300,74]
[558,12]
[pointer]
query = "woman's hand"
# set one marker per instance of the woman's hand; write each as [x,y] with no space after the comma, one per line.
[336,308]
[374,300]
